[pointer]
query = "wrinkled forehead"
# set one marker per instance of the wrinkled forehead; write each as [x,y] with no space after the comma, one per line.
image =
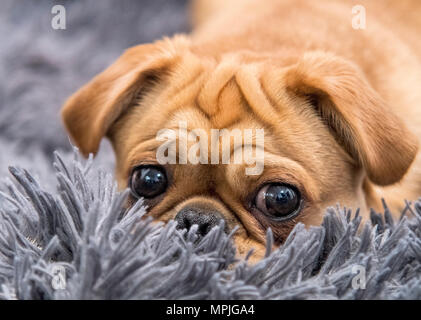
[205,94]
[198,93]
[222,92]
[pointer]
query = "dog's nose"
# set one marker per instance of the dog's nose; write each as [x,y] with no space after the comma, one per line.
[204,219]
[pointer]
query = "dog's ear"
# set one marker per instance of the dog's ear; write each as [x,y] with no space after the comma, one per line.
[358,117]
[89,113]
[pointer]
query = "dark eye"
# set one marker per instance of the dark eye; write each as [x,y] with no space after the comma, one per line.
[278,201]
[148,181]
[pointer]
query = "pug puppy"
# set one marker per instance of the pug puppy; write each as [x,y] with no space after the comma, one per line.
[339,107]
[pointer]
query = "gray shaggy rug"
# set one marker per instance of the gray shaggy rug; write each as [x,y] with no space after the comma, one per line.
[106,252]
[63,232]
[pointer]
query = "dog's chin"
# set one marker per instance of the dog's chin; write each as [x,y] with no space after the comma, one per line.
[247,247]
[208,210]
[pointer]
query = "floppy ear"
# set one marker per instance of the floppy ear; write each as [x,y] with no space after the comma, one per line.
[89,113]
[357,116]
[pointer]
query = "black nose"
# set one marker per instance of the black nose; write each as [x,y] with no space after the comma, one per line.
[204,219]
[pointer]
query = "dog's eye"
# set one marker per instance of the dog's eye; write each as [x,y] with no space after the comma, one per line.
[278,201]
[148,181]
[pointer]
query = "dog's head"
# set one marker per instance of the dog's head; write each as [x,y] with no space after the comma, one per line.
[328,136]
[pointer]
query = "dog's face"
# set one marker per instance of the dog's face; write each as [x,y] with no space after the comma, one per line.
[328,137]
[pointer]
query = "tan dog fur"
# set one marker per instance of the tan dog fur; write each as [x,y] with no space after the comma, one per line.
[340,107]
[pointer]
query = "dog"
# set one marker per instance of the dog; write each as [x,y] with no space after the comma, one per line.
[340,109]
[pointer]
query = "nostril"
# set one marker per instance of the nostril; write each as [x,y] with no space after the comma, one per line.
[186,223]
[204,229]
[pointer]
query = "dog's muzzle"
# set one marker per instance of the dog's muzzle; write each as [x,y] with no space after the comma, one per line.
[205,219]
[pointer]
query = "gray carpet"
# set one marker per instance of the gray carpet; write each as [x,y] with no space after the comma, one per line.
[107,253]
[40,67]
[63,232]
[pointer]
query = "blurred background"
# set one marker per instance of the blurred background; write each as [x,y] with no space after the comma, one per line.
[40,67]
